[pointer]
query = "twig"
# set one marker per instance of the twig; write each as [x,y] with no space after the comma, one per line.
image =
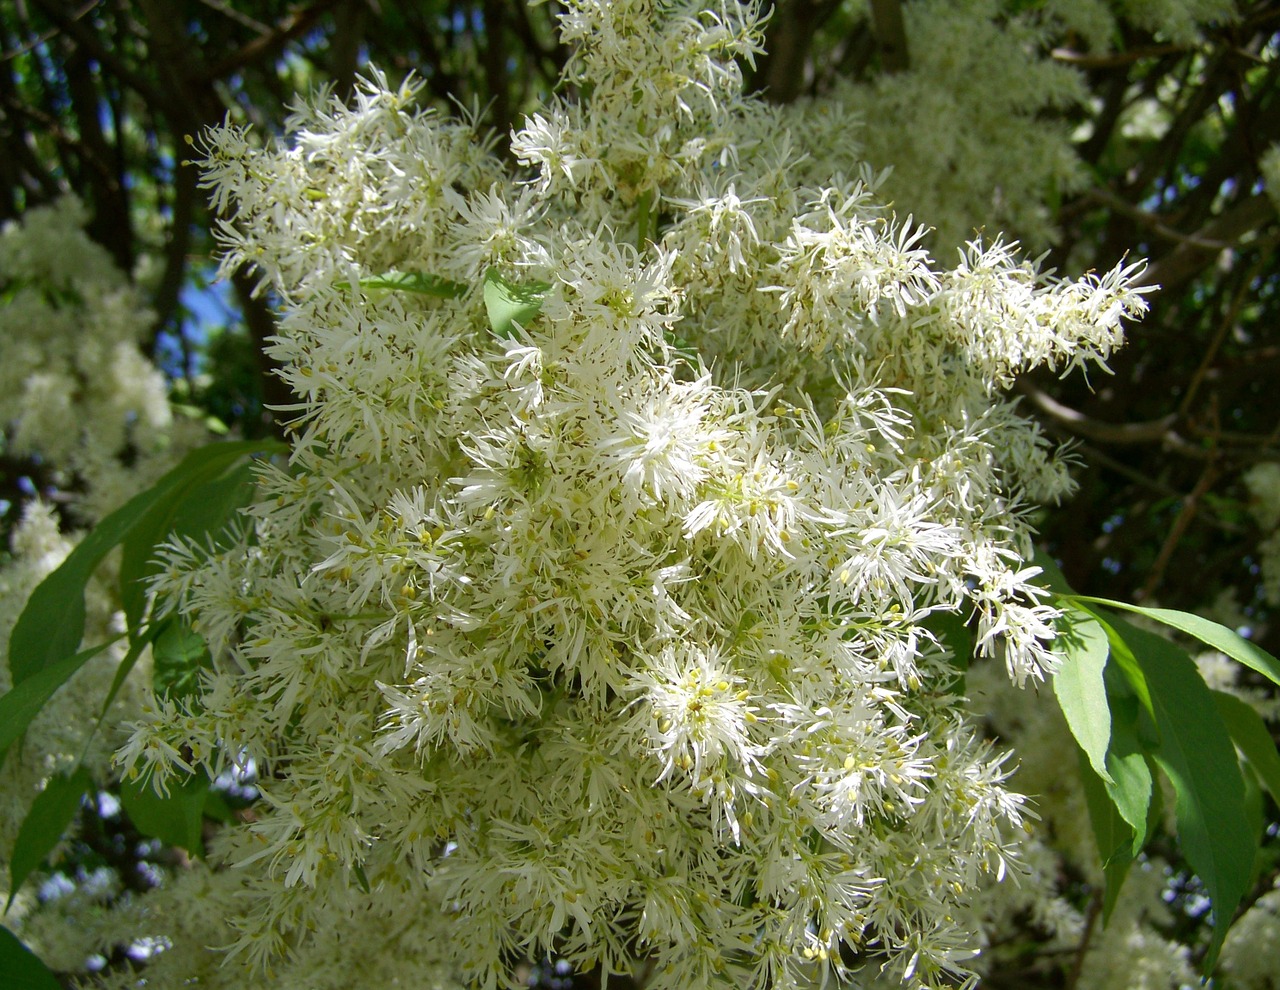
[1151,431]
[40,39]
[297,23]
[1187,259]
[241,18]
[891,36]
[1225,324]
[1190,505]
[1114,60]
[1093,455]
[1090,923]
[1105,197]
[73,26]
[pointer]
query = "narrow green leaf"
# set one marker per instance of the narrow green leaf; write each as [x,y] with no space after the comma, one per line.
[51,625]
[1155,814]
[1254,814]
[509,303]
[1210,633]
[1252,739]
[22,703]
[644,219]
[1080,689]
[176,820]
[953,632]
[52,622]
[200,496]
[1131,793]
[1111,832]
[361,879]
[1196,753]
[46,821]
[1124,659]
[1132,789]
[140,642]
[178,655]
[423,284]
[21,967]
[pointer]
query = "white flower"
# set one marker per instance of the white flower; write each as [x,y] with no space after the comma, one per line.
[549,142]
[698,715]
[665,445]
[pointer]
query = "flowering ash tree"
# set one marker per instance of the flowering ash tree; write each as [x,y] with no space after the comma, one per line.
[610,605]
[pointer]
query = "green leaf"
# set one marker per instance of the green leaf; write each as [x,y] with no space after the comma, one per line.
[176,820]
[1210,633]
[50,814]
[217,808]
[1080,689]
[21,967]
[953,632]
[423,284]
[1252,739]
[644,218]
[51,625]
[509,303]
[1124,659]
[200,496]
[178,655]
[1255,815]
[1132,788]
[1197,755]
[52,622]
[139,643]
[1111,832]
[22,703]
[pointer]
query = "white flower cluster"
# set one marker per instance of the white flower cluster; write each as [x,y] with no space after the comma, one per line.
[1252,947]
[1269,165]
[1263,484]
[608,631]
[79,398]
[976,128]
[75,388]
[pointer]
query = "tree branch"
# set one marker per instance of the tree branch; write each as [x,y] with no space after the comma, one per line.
[1114,60]
[1152,431]
[168,292]
[262,327]
[348,33]
[493,56]
[1199,249]
[784,72]
[297,23]
[72,25]
[891,36]
[111,224]
[1190,505]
